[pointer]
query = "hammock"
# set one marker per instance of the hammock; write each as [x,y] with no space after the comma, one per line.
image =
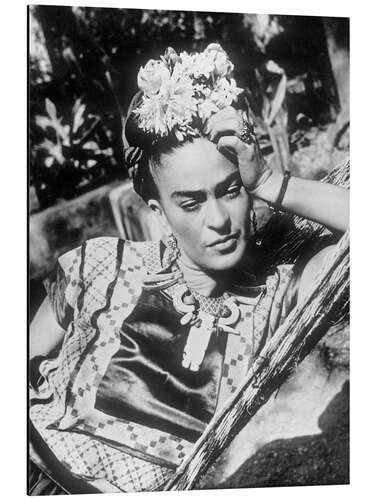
[284,239]
[327,305]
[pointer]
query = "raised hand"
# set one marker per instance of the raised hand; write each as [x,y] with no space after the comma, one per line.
[235,140]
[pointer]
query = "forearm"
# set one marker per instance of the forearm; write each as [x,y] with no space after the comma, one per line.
[45,333]
[314,200]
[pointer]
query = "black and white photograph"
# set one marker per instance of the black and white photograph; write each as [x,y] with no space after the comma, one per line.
[188,253]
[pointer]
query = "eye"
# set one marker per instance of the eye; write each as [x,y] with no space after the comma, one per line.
[190,206]
[233,191]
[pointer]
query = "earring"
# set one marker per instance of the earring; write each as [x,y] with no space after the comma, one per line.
[254,222]
[173,245]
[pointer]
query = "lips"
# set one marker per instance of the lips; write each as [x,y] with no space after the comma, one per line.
[226,239]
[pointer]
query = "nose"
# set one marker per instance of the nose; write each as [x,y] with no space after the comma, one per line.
[217,217]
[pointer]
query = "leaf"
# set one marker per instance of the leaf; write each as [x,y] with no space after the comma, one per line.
[53,149]
[51,109]
[277,100]
[76,105]
[43,122]
[61,131]
[78,111]
[49,161]
[90,145]
[64,133]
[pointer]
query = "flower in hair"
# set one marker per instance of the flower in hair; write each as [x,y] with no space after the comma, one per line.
[173,105]
[151,77]
[180,88]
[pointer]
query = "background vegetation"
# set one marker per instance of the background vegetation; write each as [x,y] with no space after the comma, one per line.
[82,75]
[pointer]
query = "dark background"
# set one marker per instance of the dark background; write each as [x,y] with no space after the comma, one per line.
[92,55]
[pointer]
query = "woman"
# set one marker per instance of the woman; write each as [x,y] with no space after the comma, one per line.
[139,344]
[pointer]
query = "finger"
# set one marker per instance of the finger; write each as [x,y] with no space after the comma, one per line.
[225,113]
[230,126]
[231,142]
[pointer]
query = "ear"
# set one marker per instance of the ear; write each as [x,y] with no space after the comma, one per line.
[157,209]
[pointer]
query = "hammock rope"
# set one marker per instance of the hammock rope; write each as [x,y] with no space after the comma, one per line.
[326,305]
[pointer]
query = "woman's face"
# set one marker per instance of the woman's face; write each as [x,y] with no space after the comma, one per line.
[204,204]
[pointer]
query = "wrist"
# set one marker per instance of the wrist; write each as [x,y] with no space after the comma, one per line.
[268,187]
[262,179]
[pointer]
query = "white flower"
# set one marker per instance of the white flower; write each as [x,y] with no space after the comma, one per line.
[222,65]
[204,65]
[225,93]
[195,85]
[170,57]
[151,77]
[206,109]
[174,105]
[216,47]
[185,65]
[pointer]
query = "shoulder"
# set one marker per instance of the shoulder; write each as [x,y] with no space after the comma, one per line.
[90,272]
[311,270]
[110,246]
[101,257]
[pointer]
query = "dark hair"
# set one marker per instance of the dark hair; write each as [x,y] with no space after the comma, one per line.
[152,148]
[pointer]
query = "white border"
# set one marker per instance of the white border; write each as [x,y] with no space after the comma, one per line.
[13,238]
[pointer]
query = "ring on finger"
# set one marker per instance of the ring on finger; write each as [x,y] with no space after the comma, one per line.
[246,133]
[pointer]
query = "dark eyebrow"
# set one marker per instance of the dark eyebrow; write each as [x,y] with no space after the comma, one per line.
[187,194]
[201,193]
[222,186]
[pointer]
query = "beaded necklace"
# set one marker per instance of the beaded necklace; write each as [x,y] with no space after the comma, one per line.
[205,315]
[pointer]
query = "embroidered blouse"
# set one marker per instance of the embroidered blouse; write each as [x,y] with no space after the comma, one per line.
[118,380]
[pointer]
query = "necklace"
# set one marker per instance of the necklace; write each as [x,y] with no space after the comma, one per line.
[206,316]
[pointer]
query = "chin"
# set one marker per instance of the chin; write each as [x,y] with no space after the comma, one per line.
[226,261]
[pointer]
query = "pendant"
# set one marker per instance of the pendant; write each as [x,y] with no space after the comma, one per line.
[178,302]
[188,310]
[225,322]
[234,312]
[197,341]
